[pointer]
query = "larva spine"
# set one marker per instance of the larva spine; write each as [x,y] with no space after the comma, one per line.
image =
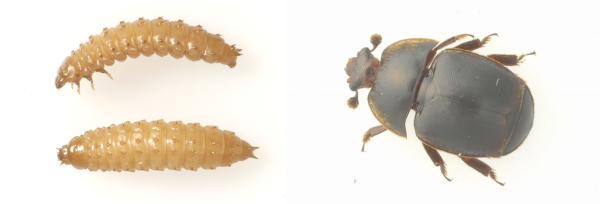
[146,37]
[154,145]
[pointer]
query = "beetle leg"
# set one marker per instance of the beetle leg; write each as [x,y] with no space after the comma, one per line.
[371,133]
[427,64]
[510,60]
[353,101]
[483,168]
[475,43]
[437,160]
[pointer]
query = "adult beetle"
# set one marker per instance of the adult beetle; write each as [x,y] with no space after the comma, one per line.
[466,104]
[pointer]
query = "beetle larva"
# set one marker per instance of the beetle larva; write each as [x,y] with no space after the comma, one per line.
[154,145]
[145,37]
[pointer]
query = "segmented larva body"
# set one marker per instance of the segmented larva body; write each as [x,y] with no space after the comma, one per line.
[145,37]
[154,145]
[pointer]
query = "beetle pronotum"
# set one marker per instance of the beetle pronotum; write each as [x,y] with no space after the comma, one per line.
[145,37]
[154,145]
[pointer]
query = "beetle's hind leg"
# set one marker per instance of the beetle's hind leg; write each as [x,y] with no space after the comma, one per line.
[510,60]
[371,133]
[437,160]
[475,43]
[482,167]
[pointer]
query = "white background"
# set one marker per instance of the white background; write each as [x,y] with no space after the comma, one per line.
[288,96]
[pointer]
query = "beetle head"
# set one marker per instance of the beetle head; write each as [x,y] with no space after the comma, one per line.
[361,69]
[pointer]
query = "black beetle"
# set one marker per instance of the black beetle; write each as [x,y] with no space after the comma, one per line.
[466,104]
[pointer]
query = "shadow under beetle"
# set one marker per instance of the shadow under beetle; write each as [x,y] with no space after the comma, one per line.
[466,104]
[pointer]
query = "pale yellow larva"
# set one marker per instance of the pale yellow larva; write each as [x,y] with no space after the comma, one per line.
[154,145]
[145,37]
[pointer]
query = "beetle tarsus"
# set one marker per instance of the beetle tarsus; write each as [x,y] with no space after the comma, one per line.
[437,160]
[521,60]
[371,133]
[482,168]
[445,172]
[493,176]
[510,60]
[488,38]
[475,43]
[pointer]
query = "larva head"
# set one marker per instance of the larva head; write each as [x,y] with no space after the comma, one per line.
[66,73]
[361,69]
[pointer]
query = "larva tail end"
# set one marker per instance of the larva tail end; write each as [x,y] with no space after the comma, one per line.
[247,151]
[229,55]
[62,155]
[251,153]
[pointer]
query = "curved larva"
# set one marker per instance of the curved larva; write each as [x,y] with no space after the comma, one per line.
[154,145]
[145,37]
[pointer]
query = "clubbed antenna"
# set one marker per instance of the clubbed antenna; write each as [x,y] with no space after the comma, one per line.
[375,40]
[353,101]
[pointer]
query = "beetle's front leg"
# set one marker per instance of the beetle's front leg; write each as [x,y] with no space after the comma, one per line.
[371,133]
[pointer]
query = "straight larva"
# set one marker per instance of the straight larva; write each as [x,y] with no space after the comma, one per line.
[154,145]
[145,37]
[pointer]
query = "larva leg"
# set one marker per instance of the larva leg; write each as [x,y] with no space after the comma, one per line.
[105,72]
[78,88]
[437,160]
[371,133]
